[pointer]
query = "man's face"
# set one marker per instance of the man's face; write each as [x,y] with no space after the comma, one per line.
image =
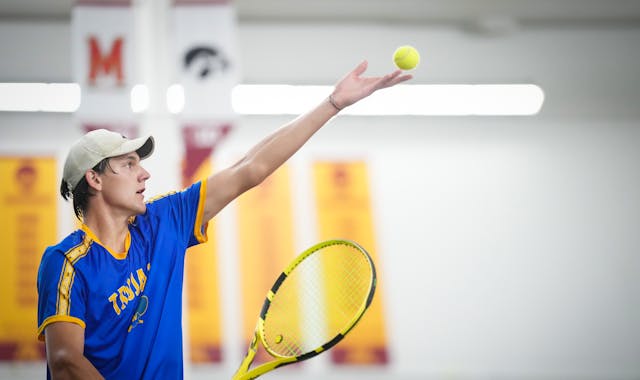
[124,184]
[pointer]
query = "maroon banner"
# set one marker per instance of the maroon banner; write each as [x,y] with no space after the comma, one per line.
[128,130]
[201,267]
[200,141]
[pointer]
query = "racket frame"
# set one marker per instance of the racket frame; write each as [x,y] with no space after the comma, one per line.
[243,372]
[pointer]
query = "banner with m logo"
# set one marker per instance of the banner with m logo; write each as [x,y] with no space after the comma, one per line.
[104,57]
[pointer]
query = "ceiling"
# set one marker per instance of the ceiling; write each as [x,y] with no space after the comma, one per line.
[474,12]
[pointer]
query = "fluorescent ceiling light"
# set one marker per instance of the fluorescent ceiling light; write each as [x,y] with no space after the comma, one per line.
[441,100]
[175,98]
[32,97]
[139,98]
[420,100]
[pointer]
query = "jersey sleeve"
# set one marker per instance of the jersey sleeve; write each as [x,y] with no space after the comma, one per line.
[185,211]
[61,295]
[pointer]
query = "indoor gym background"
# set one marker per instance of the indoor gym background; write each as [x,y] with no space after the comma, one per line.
[508,246]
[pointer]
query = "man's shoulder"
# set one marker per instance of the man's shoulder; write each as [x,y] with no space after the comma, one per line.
[160,204]
[77,240]
[69,250]
[158,199]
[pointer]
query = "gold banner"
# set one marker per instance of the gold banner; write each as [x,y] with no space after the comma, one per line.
[203,292]
[266,245]
[27,226]
[344,211]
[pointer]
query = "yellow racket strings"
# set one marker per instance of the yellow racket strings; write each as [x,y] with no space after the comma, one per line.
[318,300]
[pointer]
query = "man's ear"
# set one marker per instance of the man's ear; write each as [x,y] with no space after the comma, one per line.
[93,179]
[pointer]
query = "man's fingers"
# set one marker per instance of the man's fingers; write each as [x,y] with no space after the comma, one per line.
[393,78]
[361,68]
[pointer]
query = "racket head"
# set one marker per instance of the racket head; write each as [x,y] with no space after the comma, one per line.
[317,300]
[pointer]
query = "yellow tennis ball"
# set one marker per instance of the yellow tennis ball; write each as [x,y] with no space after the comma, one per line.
[406,57]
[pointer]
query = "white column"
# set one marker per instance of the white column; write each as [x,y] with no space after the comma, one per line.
[155,70]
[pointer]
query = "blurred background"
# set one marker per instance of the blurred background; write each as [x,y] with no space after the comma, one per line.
[507,243]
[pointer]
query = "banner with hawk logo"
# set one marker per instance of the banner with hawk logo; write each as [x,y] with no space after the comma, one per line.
[205,50]
[206,66]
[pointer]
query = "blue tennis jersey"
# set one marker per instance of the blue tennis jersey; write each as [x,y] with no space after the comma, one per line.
[129,303]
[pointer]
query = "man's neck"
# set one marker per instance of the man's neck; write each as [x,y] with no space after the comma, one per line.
[111,231]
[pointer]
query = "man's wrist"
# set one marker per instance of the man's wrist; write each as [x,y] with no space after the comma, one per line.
[332,101]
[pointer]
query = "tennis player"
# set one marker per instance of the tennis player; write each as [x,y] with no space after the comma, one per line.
[110,293]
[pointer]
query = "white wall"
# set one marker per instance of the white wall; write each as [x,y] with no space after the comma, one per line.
[509,246]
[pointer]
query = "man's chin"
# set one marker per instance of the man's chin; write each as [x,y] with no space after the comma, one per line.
[141,209]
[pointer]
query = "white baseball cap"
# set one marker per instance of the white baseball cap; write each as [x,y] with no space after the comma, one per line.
[97,145]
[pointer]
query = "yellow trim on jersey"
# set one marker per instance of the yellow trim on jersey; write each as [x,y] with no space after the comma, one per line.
[58,318]
[160,196]
[68,274]
[65,283]
[118,256]
[200,226]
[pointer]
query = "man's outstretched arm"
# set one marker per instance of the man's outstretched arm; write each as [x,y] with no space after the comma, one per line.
[275,149]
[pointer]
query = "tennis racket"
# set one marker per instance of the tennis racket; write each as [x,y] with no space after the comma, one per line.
[303,316]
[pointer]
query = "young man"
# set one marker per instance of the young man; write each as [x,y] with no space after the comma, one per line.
[110,293]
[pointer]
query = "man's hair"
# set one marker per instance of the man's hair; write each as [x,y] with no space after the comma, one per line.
[81,193]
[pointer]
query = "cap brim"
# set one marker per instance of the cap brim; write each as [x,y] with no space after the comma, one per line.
[147,148]
[144,146]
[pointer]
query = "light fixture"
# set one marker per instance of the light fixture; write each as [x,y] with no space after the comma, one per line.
[139,98]
[175,98]
[45,97]
[420,100]
[275,99]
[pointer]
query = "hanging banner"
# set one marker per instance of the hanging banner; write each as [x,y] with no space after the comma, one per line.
[129,130]
[28,225]
[201,265]
[344,211]
[103,57]
[266,246]
[200,140]
[205,53]
[203,49]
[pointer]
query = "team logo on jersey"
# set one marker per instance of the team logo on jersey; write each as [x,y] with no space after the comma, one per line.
[137,316]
